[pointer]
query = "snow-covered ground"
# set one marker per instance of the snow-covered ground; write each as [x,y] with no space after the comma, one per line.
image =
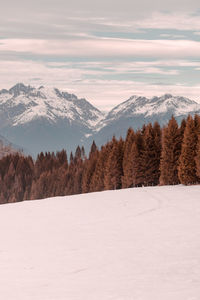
[134,244]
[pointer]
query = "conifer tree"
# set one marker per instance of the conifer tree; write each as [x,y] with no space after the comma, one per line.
[78,171]
[182,129]
[24,174]
[97,180]
[137,163]
[71,159]
[158,148]
[89,168]
[78,153]
[187,164]
[197,123]
[151,154]
[83,156]
[114,168]
[61,159]
[171,149]
[127,180]
[39,165]
[70,179]
[197,158]
[92,149]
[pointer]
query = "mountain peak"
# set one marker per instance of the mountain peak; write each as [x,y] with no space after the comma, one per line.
[166,96]
[47,118]
[19,85]
[146,108]
[26,103]
[20,88]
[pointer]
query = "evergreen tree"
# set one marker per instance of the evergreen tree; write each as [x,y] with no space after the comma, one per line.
[171,149]
[114,168]
[97,180]
[92,149]
[197,158]
[61,159]
[83,156]
[78,153]
[89,168]
[137,157]
[182,129]
[127,180]
[71,158]
[151,154]
[187,164]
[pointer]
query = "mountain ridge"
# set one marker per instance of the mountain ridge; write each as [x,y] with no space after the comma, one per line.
[48,119]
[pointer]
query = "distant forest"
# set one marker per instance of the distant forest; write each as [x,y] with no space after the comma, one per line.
[147,157]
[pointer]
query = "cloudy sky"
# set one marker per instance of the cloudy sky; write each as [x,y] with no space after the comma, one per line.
[104,51]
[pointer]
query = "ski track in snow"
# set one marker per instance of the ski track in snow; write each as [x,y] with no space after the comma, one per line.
[133,244]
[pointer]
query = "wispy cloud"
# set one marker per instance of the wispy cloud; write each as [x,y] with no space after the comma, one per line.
[104,47]
[173,36]
[103,50]
[176,20]
[101,92]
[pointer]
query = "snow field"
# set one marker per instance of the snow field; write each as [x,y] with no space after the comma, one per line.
[133,244]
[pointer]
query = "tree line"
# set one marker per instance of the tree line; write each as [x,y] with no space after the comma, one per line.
[149,156]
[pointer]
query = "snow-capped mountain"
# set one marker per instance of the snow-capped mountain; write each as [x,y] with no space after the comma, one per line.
[167,103]
[25,104]
[137,111]
[47,119]
[42,119]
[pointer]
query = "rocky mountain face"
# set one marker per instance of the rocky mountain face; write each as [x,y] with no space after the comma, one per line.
[43,119]
[137,111]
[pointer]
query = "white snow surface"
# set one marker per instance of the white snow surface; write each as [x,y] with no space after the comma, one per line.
[134,244]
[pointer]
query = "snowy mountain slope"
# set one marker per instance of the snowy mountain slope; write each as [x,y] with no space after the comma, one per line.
[155,106]
[45,119]
[25,104]
[137,111]
[139,244]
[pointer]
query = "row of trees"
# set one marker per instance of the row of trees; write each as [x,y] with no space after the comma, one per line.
[149,156]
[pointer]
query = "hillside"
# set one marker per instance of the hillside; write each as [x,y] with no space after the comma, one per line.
[7,148]
[140,244]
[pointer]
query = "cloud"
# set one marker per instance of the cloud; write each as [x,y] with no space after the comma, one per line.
[104,47]
[173,36]
[101,92]
[178,21]
[57,21]
[96,7]
[65,44]
[96,68]
[132,64]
